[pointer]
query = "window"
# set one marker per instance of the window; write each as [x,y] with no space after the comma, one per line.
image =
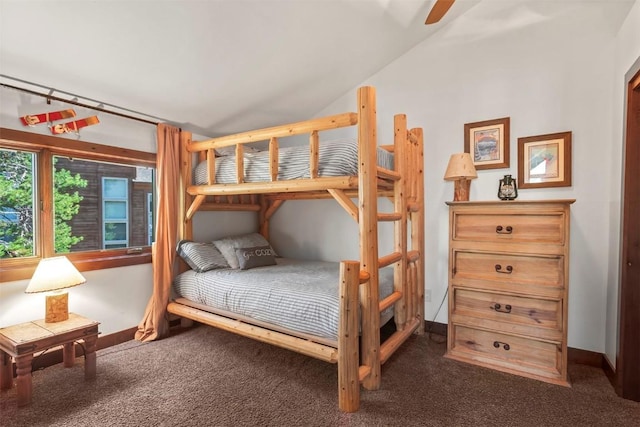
[88,201]
[115,213]
[17,203]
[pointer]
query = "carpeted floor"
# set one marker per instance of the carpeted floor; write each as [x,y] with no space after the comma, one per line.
[208,377]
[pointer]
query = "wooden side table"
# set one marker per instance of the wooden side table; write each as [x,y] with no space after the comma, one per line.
[23,340]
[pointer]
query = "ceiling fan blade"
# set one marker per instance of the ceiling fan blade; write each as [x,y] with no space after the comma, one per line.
[438,10]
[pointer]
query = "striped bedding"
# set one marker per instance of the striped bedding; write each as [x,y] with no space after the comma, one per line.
[336,158]
[301,296]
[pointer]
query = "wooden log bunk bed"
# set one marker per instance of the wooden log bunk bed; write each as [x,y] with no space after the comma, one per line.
[358,350]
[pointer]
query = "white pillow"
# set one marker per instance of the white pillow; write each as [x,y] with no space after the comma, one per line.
[228,246]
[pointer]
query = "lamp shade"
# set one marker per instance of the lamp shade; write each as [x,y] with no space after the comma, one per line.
[460,167]
[54,273]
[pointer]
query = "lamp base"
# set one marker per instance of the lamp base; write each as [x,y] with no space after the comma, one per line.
[57,308]
[461,190]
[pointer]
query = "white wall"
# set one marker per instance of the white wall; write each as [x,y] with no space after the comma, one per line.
[547,76]
[627,51]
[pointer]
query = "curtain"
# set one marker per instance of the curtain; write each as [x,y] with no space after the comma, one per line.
[155,324]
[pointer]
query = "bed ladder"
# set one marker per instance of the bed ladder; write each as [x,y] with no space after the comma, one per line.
[407,297]
[406,181]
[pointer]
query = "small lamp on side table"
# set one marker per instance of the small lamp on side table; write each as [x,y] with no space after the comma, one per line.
[461,171]
[55,274]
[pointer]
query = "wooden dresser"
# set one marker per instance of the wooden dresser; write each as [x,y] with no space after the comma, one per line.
[508,286]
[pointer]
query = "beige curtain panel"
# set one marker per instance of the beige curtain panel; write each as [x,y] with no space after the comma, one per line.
[155,324]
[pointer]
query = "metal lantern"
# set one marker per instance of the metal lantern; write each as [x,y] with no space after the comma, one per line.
[507,188]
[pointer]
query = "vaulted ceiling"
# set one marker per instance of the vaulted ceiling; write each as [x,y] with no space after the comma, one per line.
[219,66]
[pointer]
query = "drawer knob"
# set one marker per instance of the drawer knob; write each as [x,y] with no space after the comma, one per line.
[507,270]
[504,230]
[498,307]
[497,344]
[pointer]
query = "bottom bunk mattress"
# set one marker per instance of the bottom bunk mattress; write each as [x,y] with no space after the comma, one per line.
[294,295]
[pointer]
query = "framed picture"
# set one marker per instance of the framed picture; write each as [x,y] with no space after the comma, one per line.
[544,161]
[488,143]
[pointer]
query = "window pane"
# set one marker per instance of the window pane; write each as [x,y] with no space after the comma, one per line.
[115,210]
[115,231]
[17,203]
[114,188]
[89,195]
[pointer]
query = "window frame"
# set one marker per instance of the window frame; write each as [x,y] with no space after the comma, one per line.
[46,147]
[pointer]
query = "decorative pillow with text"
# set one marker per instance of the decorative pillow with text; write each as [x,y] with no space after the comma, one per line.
[228,246]
[257,256]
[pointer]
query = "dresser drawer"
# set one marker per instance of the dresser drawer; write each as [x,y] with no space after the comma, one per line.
[507,352]
[538,318]
[542,274]
[503,227]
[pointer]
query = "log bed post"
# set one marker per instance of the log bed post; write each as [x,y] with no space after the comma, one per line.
[417,224]
[348,354]
[400,145]
[184,199]
[368,228]
[186,160]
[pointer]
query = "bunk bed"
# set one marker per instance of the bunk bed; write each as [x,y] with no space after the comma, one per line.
[356,346]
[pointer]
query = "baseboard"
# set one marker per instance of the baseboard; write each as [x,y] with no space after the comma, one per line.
[435,328]
[610,372]
[584,357]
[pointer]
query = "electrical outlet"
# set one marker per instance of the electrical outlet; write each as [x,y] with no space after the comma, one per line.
[427,295]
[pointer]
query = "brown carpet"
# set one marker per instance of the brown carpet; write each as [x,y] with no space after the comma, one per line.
[208,377]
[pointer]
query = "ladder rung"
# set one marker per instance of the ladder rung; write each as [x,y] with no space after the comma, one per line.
[364,277]
[393,216]
[413,207]
[363,372]
[390,300]
[388,174]
[391,344]
[389,259]
[413,256]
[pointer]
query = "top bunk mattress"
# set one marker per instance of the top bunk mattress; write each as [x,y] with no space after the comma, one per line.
[336,158]
[300,296]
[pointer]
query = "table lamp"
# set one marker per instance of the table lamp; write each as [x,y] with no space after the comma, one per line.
[461,171]
[53,275]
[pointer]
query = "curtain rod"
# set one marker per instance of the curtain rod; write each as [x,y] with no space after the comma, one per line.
[50,97]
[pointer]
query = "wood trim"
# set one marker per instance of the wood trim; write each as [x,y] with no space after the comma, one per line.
[584,357]
[627,379]
[436,328]
[86,149]
[21,269]
[610,372]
